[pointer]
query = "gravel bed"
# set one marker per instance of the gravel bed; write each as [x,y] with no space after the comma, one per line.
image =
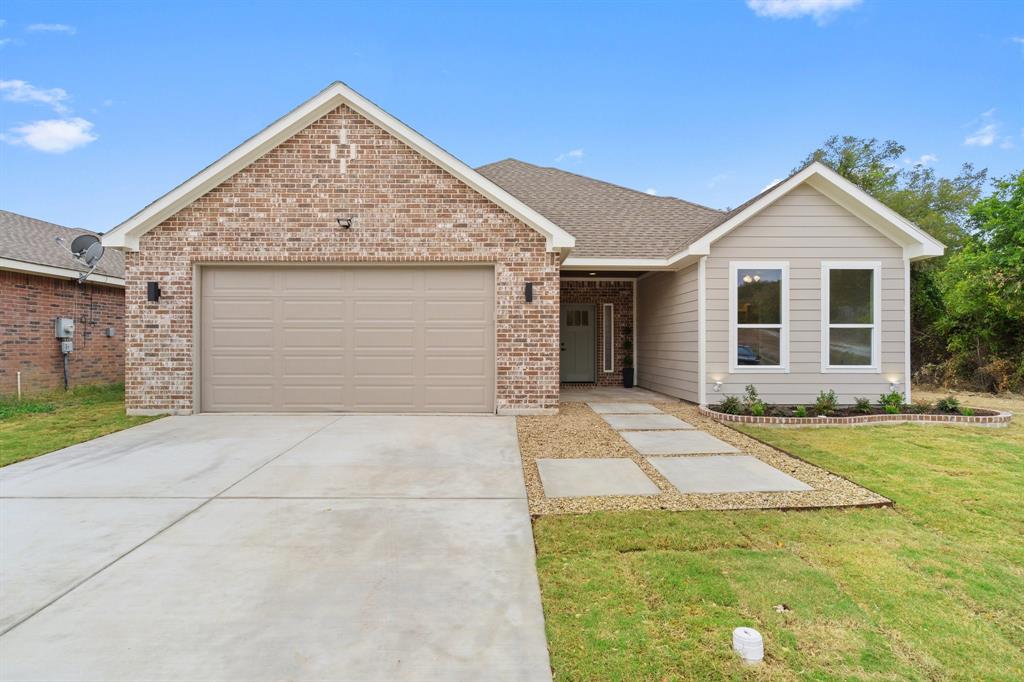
[577,431]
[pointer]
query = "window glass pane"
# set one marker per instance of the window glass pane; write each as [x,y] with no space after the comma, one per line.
[757,347]
[607,326]
[759,296]
[849,346]
[849,296]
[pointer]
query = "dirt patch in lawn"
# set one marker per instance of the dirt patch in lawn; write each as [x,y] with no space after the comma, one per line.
[579,432]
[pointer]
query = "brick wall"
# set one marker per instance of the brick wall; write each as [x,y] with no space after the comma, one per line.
[283,208]
[29,305]
[599,292]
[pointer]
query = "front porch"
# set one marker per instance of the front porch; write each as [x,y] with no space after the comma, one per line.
[597,330]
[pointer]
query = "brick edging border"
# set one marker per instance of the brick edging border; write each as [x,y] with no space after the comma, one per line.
[1000,419]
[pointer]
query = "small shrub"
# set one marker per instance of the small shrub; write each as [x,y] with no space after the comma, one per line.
[800,411]
[730,405]
[949,405]
[891,409]
[891,399]
[922,406]
[966,411]
[752,402]
[758,409]
[863,405]
[826,403]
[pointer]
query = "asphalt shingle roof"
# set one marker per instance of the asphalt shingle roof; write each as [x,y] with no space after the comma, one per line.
[34,241]
[607,220]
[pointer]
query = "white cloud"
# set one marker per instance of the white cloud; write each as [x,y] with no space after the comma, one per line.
[5,41]
[1018,39]
[923,160]
[21,91]
[571,155]
[54,136]
[652,191]
[822,11]
[52,28]
[982,137]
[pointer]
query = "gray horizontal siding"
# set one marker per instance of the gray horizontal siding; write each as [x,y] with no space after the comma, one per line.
[804,228]
[667,333]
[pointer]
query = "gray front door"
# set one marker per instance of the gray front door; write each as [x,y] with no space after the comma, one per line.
[578,342]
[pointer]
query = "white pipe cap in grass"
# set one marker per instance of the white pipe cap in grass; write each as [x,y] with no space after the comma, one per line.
[749,644]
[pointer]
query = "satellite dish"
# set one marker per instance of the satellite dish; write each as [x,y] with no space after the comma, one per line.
[87,250]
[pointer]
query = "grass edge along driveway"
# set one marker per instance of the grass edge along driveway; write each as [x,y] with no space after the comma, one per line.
[927,590]
[44,423]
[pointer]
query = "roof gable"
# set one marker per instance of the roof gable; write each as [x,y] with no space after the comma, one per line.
[127,234]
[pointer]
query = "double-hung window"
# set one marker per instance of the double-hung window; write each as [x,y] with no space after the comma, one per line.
[759,316]
[850,316]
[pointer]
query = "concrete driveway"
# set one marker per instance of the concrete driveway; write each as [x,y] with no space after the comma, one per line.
[273,548]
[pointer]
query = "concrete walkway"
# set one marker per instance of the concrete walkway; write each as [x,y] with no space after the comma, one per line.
[273,548]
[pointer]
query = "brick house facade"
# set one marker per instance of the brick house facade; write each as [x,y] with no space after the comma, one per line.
[283,207]
[30,303]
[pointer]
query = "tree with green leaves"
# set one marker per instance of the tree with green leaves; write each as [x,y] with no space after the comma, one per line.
[940,206]
[983,291]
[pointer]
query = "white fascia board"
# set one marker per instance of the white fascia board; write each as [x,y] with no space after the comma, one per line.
[127,234]
[62,273]
[917,243]
[676,262]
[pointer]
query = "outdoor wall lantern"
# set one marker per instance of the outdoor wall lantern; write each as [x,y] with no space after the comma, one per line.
[344,223]
[152,291]
[529,292]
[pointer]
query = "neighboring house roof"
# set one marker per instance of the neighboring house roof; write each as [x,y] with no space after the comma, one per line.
[30,245]
[607,220]
[127,234]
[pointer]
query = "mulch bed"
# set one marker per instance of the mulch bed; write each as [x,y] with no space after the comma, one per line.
[579,432]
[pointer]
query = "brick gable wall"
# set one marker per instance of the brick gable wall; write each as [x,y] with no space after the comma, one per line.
[283,209]
[30,304]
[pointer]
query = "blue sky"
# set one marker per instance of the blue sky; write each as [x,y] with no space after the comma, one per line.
[106,106]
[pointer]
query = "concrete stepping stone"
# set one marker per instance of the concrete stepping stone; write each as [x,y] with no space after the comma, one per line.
[675,442]
[586,477]
[624,408]
[623,422]
[724,474]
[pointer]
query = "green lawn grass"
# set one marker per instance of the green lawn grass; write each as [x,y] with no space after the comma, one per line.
[930,589]
[41,424]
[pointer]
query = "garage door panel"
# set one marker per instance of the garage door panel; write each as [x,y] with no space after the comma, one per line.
[396,337]
[360,338]
[313,365]
[312,337]
[375,281]
[242,337]
[313,280]
[441,311]
[297,310]
[385,366]
[458,281]
[231,310]
[458,365]
[448,337]
[384,311]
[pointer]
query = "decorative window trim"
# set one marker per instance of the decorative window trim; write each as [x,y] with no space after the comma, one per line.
[783,366]
[608,338]
[876,314]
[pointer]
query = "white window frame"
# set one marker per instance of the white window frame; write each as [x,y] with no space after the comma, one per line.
[876,315]
[783,366]
[608,314]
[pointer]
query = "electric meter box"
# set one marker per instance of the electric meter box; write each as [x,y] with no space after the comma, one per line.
[67,346]
[64,328]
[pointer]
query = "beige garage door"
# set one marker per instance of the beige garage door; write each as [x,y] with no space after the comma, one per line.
[326,339]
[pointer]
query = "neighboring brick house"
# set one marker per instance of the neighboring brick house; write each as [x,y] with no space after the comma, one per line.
[340,261]
[38,283]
